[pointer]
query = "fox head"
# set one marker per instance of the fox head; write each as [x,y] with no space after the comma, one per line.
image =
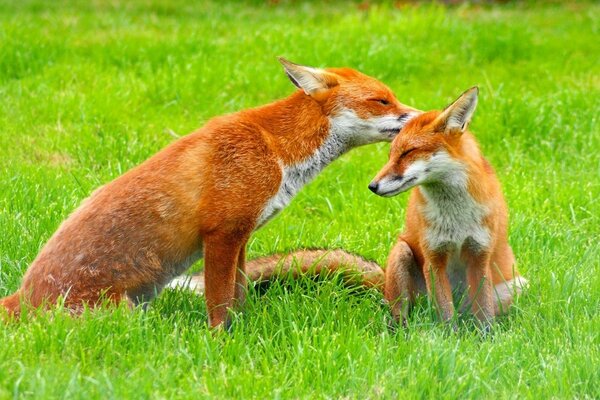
[360,108]
[428,149]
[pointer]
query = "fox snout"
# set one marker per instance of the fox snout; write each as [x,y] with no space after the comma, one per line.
[386,186]
[391,185]
[379,187]
[373,186]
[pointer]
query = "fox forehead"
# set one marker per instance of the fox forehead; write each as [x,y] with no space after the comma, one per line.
[362,94]
[417,132]
[420,124]
[363,84]
[347,73]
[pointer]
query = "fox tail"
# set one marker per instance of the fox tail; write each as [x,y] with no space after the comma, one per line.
[354,268]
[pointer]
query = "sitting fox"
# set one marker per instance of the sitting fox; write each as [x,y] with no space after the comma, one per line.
[455,235]
[205,194]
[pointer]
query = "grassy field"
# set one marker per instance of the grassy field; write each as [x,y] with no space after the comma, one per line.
[90,89]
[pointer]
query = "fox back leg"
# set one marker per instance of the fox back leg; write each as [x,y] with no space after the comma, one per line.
[11,305]
[403,281]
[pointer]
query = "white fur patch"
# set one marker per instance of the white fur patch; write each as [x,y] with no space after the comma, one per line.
[505,291]
[453,215]
[295,176]
[357,131]
[415,173]
[346,131]
[189,282]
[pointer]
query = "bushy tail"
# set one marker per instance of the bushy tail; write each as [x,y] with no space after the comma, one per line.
[505,292]
[354,268]
[11,305]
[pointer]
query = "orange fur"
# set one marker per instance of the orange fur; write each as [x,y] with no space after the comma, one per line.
[426,255]
[204,194]
[354,268]
[414,267]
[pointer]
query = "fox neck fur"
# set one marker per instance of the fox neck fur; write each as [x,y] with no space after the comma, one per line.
[297,172]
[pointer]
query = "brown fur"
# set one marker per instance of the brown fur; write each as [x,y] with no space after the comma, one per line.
[354,268]
[203,193]
[317,261]
[413,265]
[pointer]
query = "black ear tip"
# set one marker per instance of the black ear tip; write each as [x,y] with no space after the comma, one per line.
[284,61]
[287,63]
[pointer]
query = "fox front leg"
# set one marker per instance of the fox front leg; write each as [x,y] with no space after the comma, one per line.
[221,262]
[438,285]
[479,280]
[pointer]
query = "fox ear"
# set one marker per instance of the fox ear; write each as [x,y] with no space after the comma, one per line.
[456,117]
[311,80]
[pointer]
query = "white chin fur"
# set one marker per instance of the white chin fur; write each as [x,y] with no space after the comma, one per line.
[391,187]
[364,131]
[389,126]
[413,176]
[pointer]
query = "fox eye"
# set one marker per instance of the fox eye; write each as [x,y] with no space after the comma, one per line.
[407,152]
[381,101]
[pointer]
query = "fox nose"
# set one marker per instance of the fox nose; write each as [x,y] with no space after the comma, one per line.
[373,186]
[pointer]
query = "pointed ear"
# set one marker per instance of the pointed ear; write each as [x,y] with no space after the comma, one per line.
[311,80]
[456,117]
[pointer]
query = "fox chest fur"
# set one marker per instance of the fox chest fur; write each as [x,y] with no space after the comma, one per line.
[454,223]
[453,218]
[294,176]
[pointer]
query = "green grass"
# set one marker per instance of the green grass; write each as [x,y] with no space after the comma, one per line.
[90,89]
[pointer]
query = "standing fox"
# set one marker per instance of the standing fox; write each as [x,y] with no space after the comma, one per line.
[456,222]
[456,226]
[205,194]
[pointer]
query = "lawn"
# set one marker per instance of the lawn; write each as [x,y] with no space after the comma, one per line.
[91,89]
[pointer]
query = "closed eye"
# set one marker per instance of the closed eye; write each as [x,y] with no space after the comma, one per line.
[382,101]
[407,152]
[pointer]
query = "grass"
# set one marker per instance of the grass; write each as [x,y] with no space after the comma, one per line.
[90,89]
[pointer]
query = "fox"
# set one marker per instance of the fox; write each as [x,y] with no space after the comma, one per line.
[455,235]
[456,230]
[205,194]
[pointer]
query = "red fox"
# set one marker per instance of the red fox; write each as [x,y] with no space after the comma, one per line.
[455,234]
[456,225]
[205,194]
